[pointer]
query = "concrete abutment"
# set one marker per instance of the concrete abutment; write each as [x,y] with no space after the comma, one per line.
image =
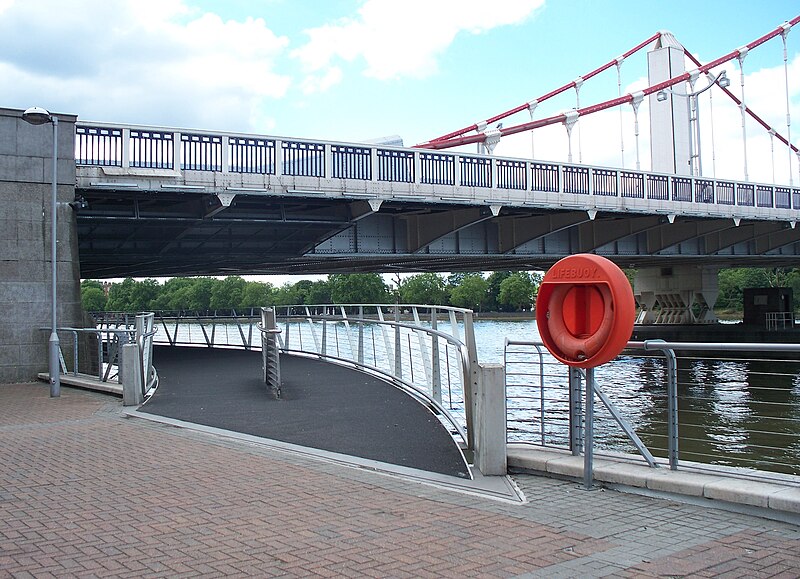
[26,173]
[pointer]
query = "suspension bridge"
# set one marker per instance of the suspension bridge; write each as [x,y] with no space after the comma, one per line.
[159,201]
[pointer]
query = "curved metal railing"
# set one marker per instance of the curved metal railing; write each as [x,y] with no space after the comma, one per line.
[428,351]
[430,364]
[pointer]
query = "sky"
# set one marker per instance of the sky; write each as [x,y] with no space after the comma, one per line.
[355,70]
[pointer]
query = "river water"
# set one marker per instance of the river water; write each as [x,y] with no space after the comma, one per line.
[739,412]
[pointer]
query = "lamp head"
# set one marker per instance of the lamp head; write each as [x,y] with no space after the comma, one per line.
[37,116]
[723,81]
[661,96]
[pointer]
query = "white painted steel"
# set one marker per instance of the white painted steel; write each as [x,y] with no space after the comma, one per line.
[297,169]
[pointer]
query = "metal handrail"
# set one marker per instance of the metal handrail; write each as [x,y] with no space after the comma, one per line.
[320,318]
[520,378]
[393,368]
[407,385]
[121,335]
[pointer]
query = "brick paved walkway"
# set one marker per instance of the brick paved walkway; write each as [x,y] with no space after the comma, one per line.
[87,492]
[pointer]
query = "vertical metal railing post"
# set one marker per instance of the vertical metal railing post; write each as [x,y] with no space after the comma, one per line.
[588,450]
[470,382]
[575,412]
[361,335]
[324,347]
[672,408]
[436,379]
[398,354]
[100,346]
[74,353]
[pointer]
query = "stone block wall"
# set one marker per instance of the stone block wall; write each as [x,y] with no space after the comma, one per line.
[25,191]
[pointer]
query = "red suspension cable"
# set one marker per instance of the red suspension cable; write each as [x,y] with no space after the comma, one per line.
[455,139]
[551,94]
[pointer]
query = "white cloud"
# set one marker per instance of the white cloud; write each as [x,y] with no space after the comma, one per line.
[320,83]
[404,39]
[153,61]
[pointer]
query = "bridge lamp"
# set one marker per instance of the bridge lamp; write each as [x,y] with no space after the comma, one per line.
[39,116]
[694,119]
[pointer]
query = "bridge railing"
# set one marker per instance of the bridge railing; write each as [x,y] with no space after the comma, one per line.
[102,144]
[721,410]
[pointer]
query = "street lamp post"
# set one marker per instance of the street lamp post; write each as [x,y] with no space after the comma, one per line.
[694,116]
[40,116]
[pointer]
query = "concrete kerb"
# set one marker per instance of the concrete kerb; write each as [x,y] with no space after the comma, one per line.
[500,488]
[718,486]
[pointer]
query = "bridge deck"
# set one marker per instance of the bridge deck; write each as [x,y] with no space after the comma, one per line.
[323,406]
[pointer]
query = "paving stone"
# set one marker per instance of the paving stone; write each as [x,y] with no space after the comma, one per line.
[186,503]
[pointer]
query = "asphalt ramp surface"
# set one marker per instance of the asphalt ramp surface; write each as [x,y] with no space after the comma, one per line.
[322,405]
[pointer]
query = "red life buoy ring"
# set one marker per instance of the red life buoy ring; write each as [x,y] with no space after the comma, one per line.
[578,348]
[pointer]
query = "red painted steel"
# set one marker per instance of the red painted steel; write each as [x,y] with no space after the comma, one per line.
[456,138]
[585,310]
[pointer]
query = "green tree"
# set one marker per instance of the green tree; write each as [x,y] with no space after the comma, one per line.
[174,294]
[319,292]
[134,296]
[199,295]
[227,294]
[120,296]
[145,295]
[424,288]
[257,294]
[471,292]
[286,295]
[357,288]
[493,303]
[518,290]
[93,297]
[732,282]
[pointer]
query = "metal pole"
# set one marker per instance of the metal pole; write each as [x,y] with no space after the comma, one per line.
[575,414]
[588,453]
[672,408]
[690,104]
[697,134]
[54,345]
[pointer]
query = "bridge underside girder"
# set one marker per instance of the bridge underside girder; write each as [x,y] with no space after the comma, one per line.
[123,233]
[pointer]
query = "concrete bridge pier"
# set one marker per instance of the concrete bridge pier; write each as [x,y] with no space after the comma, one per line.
[676,295]
[26,173]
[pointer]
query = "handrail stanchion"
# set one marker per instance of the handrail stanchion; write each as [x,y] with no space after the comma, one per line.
[588,450]
[324,349]
[470,381]
[100,346]
[436,380]
[74,353]
[398,353]
[672,407]
[672,398]
[361,335]
[575,412]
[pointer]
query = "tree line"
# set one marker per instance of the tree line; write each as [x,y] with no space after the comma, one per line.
[498,291]
[733,281]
